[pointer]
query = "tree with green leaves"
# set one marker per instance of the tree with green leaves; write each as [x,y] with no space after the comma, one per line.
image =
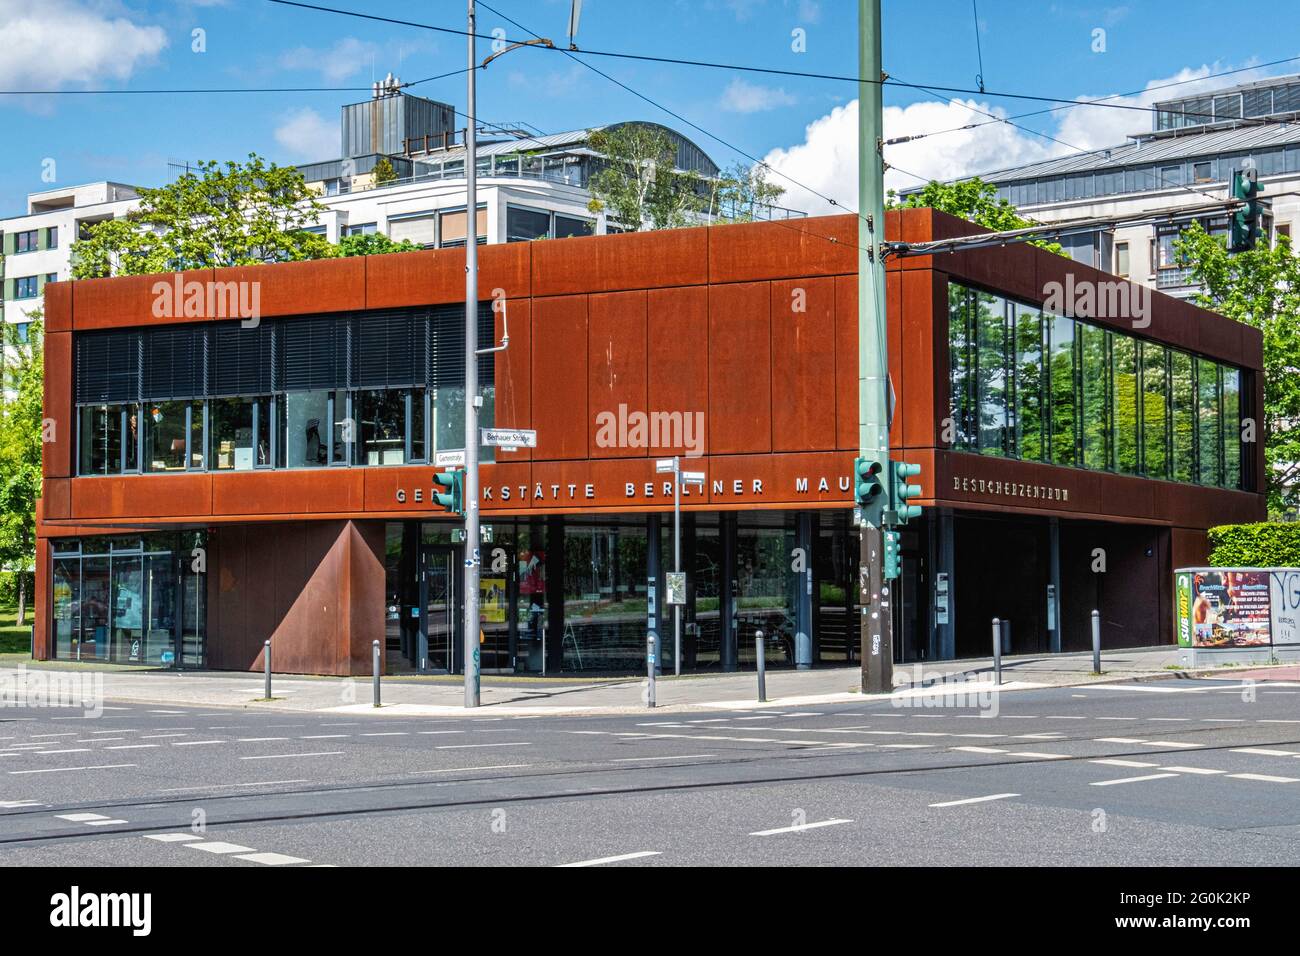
[639,186]
[738,192]
[973,200]
[384,172]
[1261,288]
[372,244]
[231,214]
[21,419]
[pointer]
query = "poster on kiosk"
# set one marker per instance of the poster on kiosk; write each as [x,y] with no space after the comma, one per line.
[1225,608]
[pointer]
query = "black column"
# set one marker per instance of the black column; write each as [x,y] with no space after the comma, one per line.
[946,565]
[554,594]
[803,632]
[727,606]
[690,641]
[654,593]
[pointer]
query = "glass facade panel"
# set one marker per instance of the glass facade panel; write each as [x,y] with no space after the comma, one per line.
[1155,411]
[1030,423]
[1062,384]
[1231,428]
[1124,359]
[765,587]
[959,360]
[1209,443]
[1095,410]
[165,437]
[381,420]
[108,439]
[129,600]
[305,431]
[991,364]
[605,596]
[238,443]
[1183,415]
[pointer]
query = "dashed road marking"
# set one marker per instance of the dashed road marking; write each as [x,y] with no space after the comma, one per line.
[800,827]
[600,861]
[959,803]
[1151,776]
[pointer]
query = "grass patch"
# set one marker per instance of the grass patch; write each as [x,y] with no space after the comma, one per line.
[14,639]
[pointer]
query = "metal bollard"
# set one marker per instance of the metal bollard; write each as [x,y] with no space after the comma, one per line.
[266,661]
[1096,642]
[762,667]
[997,651]
[374,661]
[650,668]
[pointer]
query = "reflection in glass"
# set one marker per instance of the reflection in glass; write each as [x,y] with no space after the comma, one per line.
[305,430]
[1155,412]
[1183,401]
[1125,414]
[381,420]
[1210,439]
[1096,410]
[164,436]
[234,446]
[1064,419]
[1030,430]
[1231,428]
[991,362]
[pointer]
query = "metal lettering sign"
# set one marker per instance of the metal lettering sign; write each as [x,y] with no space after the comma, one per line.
[676,587]
[508,437]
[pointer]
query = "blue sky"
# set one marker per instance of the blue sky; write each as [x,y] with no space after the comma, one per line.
[803,126]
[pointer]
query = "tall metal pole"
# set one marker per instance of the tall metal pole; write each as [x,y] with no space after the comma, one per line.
[472,400]
[873,365]
[677,561]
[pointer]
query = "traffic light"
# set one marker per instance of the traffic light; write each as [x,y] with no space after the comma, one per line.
[901,492]
[1244,224]
[869,490]
[892,554]
[453,499]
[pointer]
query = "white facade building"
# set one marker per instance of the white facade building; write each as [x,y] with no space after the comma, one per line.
[37,245]
[1185,161]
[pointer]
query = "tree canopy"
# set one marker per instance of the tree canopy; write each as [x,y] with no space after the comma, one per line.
[973,200]
[21,419]
[1260,287]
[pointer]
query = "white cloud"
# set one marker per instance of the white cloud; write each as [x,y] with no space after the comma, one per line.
[827,159]
[60,43]
[742,97]
[345,58]
[307,135]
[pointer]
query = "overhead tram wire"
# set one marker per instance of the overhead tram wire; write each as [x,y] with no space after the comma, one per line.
[223,90]
[714,65]
[1078,150]
[1101,100]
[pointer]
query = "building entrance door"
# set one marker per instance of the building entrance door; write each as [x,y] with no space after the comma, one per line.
[439,649]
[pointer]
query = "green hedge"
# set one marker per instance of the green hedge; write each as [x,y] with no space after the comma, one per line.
[1263,545]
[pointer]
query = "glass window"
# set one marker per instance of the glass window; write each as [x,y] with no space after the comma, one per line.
[448,425]
[381,420]
[959,300]
[991,363]
[1231,428]
[1209,436]
[52,237]
[25,241]
[1155,412]
[306,431]
[523,225]
[418,418]
[1125,402]
[604,596]
[452,227]
[238,442]
[566,226]
[1062,379]
[1031,429]
[1095,381]
[65,588]
[1121,258]
[100,433]
[1183,413]
[361,229]
[164,436]
[25,287]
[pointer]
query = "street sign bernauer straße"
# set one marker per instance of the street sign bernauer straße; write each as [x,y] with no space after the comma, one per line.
[508,438]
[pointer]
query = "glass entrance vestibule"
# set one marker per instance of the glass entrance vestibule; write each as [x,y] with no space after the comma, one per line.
[576,593]
[131,599]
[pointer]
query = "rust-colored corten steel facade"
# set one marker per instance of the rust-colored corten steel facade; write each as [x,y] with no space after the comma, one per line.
[753,327]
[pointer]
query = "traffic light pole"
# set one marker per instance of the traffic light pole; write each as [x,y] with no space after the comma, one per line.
[873,364]
[470,592]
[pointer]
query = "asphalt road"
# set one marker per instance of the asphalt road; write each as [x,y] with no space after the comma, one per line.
[1175,772]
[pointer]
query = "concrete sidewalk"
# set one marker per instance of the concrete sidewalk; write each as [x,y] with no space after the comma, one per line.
[514,696]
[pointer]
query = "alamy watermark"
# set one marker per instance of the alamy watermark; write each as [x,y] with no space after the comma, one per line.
[960,689]
[21,687]
[179,299]
[638,429]
[1092,299]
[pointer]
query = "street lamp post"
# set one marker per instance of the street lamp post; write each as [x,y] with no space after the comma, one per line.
[674,465]
[472,400]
